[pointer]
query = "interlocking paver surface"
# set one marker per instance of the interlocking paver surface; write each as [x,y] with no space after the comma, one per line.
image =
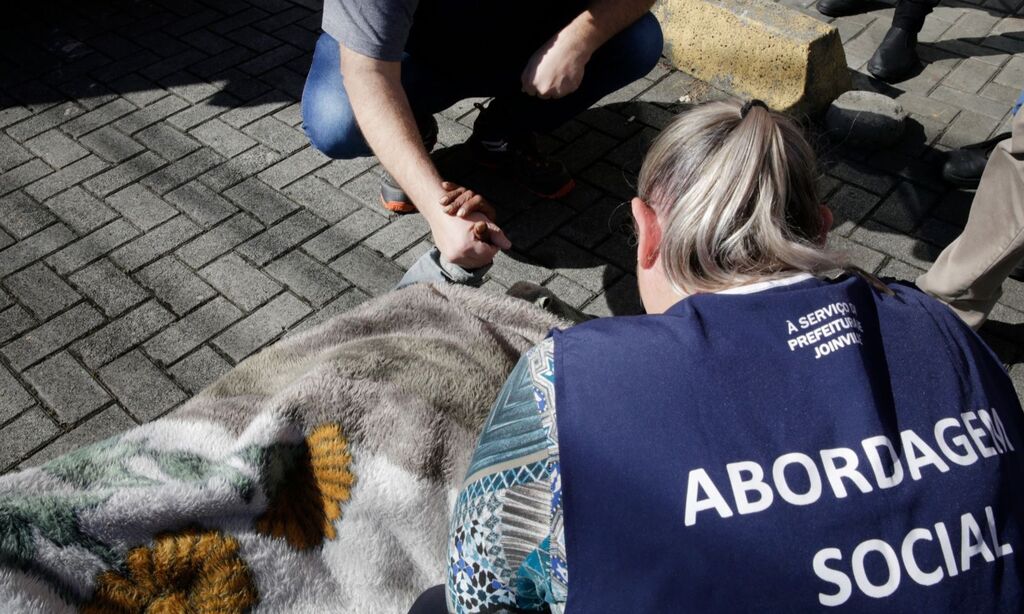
[162,215]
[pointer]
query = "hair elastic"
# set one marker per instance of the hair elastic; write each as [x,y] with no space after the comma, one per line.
[750,104]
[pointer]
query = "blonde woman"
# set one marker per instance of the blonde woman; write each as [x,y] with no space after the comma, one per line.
[774,435]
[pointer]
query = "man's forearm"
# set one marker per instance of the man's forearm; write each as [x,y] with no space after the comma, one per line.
[387,123]
[604,19]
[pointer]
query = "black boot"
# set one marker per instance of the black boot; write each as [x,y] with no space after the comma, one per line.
[964,166]
[840,8]
[896,58]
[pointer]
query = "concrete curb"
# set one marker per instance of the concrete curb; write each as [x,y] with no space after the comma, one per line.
[757,49]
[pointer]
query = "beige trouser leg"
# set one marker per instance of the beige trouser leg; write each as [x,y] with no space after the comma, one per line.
[968,275]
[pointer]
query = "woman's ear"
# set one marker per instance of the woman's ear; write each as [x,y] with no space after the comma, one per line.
[648,230]
[826,223]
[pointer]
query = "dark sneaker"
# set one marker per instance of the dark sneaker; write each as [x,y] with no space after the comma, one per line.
[1018,273]
[392,197]
[518,156]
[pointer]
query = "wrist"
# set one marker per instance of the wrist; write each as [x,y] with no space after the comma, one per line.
[580,38]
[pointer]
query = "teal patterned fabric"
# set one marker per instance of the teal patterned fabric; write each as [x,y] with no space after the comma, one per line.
[506,546]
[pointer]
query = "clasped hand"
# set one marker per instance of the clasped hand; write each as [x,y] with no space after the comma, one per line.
[468,237]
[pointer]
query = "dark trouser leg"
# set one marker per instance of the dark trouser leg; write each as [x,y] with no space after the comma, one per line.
[628,56]
[432,601]
[910,14]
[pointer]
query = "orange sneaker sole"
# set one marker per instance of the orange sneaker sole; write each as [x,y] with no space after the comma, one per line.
[397,206]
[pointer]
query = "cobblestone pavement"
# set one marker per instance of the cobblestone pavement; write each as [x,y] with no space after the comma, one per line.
[162,215]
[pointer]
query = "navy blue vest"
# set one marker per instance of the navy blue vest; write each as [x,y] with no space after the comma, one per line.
[809,447]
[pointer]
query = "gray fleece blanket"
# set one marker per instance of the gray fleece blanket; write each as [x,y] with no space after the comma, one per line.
[315,476]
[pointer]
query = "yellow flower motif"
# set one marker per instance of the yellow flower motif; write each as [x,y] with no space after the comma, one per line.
[191,571]
[307,500]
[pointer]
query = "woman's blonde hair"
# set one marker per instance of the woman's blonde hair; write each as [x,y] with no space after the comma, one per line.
[734,188]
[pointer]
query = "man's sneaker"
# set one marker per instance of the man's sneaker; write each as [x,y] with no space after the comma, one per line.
[392,197]
[518,156]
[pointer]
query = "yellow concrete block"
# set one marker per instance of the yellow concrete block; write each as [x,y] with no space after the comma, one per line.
[756,49]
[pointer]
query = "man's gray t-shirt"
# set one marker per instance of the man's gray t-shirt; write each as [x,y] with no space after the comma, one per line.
[375,28]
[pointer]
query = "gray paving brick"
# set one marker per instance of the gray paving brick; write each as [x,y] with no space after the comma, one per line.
[11,153]
[277,135]
[65,177]
[80,210]
[261,200]
[125,173]
[537,222]
[182,171]
[109,422]
[13,397]
[264,105]
[340,172]
[849,206]
[327,245]
[29,431]
[51,336]
[187,87]
[368,270]
[200,203]
[122,334]
[261,327]
[569,291]
[33,248]
[240,168]
[307,278]
[399,234]
[13,115]
[222,138]
[14,320]
[149,115]
[192,116]
[175,284]
[98,117]
[166,141]
[218,240]
[138,90]
[321,198]
[22,216]
[55,148]
[293,167]
[281,237]
[141,207]
[23,175]
[66,387]
[905,207]
[508,270]
[92,246]
[967,128]
[978,104]
[970,75]
[140,387]
[192,331]
[108,287]
[200,369]
[410,256]
[244,284]
[884,240]
[41,291]
[154,243]
[589,271]
[347,300]
[41,122]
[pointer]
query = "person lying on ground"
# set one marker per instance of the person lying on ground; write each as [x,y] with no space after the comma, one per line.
[780,432]
[382,68]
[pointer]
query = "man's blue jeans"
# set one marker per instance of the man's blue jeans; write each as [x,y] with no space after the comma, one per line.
[433,84]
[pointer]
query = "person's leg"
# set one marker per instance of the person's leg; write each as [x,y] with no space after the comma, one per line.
[626,57]
[896,57]
[968,274]
[327,115]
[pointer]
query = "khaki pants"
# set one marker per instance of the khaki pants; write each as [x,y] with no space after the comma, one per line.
[968,275]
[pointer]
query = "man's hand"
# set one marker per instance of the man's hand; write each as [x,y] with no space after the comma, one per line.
[556,69]
[467,235]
